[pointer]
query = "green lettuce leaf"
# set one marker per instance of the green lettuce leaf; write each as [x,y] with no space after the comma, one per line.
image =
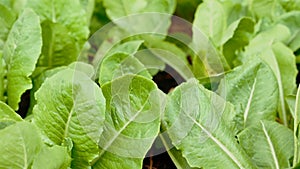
[52,157]
[134,106]
[21,52]
[252,88]
[266,8]
[64,31]
[269,144]
[7,116]
[120,64]
[236,37]
[7,18]
[153,14]
[296,128]
[206,16]
[194,122]
[19,145]
[71,105]
[269,46]
[292,21]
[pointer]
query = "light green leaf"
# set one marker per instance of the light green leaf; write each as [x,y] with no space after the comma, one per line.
[120,8]
[19,145]
[59,48]
[120,64]
[62,12]
[292,21]
[269,46]
[291,102]
[64,31]
[71,105]
[8,112]
[290,5]
[39,79]
[265,38]
[52,157]
[296,129]
[88,6]
[282,61]
[176,155]
[21,52]
[210,18]
[150,17]
[130,47]
[7,18]
[236,37]
[252,88]
[194,122]
[7,115]
[134,106]
[266,8]
[269,144]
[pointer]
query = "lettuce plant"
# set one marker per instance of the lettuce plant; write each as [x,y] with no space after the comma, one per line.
[90,68]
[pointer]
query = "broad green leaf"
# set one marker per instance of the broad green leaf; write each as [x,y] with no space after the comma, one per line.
[52,157]
[134,106]
[148,16]
[39,79]
[120,64]
[269,46]
[21,52]
[17,6]
[120,8]
[266,8]
[62,12]
[269,144]
[282,61]
[176,155]
[292,21]
[296,129]
[8,112]
[88,6]
[252,88]
[59,48]
[19,145]
[236,37]
[7,115]
[64,31]
[130,47]
[290,5]
[7,18]
[71,105]
[194,122]
[235,10]
[210,18]
[265,38]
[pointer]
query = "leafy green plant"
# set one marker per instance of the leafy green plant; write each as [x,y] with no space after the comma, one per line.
[90,69]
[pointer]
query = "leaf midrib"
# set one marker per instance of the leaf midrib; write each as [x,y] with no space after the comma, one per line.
[104,149]
[66,131]
[246,113]
[271,146]
[218,142]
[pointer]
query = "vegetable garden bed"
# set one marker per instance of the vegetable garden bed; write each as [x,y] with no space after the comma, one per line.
[117,84]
